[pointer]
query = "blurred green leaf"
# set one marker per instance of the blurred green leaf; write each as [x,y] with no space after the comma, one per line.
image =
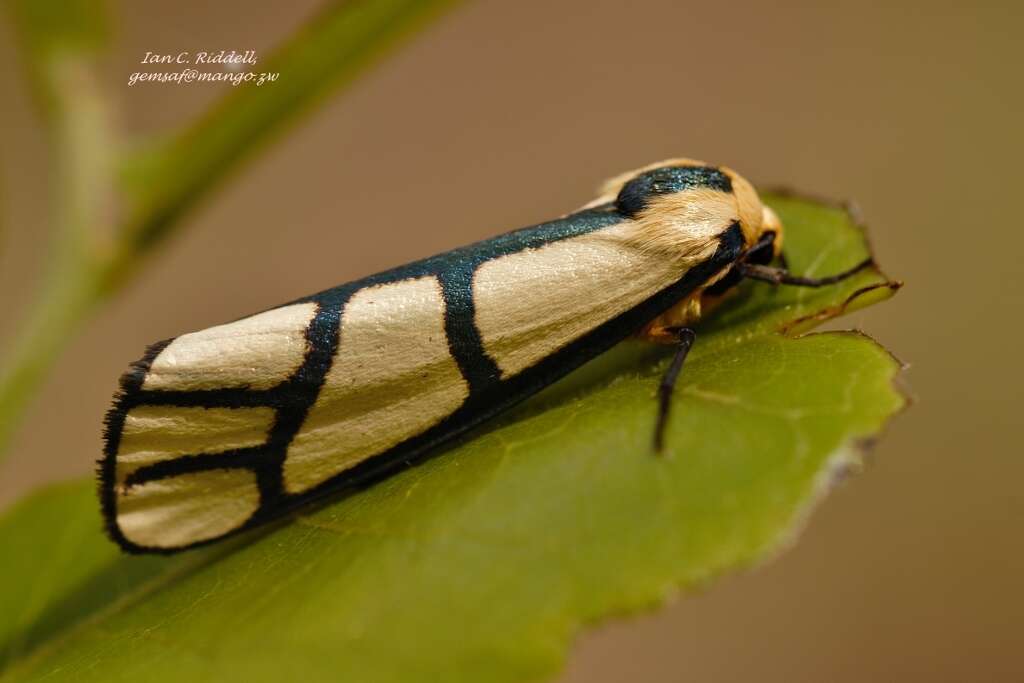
[483,562]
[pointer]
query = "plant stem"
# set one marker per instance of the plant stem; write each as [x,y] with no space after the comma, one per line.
[82,148]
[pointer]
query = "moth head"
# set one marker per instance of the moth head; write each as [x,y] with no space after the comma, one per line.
[755,218]
[681,206]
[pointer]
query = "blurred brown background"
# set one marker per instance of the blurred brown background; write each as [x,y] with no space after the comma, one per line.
[506,113]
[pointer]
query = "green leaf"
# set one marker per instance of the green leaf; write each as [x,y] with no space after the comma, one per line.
[481,564]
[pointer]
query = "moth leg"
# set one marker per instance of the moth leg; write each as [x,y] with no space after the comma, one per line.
[780,276]
[685,337]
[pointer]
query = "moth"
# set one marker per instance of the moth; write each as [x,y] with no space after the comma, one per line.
[220,430]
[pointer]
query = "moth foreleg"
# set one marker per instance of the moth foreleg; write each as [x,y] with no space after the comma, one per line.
[779,276]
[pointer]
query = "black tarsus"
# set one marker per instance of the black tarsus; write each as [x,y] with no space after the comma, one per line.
[779,276]
[686,338]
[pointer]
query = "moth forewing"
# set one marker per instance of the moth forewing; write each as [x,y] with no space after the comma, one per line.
[222,429]
[391,378]
[235,355]
[182,510]
[189,405]
[523,318]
